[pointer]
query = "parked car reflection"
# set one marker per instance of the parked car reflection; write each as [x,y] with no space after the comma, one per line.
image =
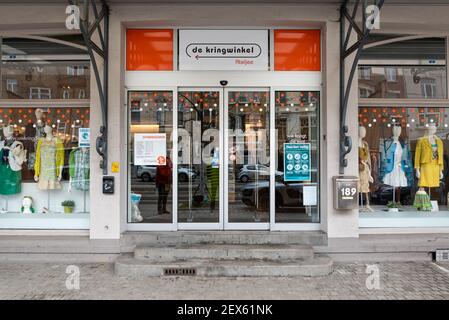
[384,194]
[251,172]
[148,173]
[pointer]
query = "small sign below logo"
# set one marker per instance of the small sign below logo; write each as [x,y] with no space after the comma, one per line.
[84,137]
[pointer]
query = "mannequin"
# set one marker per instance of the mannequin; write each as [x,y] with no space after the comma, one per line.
[49,161]
[79,169]
[365,177]
[12,156]
[27,205]
[428,165]
[429,159]
[396,163]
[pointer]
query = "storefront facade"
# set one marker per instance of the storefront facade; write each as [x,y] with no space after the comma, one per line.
[256,135]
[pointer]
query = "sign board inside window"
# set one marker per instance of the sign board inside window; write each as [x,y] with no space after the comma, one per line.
[150,149]
[223,50]
[297,162]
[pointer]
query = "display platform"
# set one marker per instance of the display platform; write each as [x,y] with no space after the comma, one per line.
[73,221]
[408,217]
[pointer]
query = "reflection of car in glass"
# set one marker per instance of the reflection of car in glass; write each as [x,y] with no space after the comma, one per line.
[287,195]
[251,171]
[148,173]
[384,194]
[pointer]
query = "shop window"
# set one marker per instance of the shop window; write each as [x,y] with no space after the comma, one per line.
[150,157]
[412,69]
[365,92]
[66,94]
[297,50]
[45,168]
[40,93]
[406,82]
[82,94]
[429,88]
[297,171]
[40,77]
[404,166]
[11,85]
[149,50]
[365,73]
[390,74]
[75,70]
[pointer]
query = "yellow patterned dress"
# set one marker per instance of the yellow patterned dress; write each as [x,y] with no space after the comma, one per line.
[429,161]
[49,161]
[364,168]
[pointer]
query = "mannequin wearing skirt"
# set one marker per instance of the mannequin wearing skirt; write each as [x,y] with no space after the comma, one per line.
[429,166]
[396,178]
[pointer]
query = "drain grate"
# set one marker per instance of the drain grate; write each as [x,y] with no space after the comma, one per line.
[180,272]
[442,255]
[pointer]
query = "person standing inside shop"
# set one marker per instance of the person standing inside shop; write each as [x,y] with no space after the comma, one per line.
[163,184]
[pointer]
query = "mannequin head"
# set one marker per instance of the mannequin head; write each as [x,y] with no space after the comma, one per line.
[8,131]
[432,129]
[48,131]
[39,113]
[362,132]
[27,205]
[396,131]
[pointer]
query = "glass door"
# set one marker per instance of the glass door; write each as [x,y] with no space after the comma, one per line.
[247,162]
[199,158]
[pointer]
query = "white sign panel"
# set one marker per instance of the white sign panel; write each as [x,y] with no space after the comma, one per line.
[84,137]
[309,196]
[223,50]
[150,149]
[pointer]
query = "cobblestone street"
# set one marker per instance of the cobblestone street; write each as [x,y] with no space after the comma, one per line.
[348,281]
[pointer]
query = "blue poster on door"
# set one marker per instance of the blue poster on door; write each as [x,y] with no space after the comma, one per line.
[297,162]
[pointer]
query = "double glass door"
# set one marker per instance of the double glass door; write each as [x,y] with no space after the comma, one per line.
[223,158]
[226,159]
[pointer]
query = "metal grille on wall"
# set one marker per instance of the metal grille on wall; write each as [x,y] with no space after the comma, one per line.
[101,17]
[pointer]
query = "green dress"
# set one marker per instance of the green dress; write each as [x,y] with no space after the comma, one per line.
[10,181]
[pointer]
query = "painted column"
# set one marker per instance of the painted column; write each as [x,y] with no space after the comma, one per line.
[106,210]
[337,223]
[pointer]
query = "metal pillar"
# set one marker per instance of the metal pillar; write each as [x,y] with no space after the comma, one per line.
[87,30]
[345,51]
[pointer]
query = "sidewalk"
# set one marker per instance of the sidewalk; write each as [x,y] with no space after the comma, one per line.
[417,280]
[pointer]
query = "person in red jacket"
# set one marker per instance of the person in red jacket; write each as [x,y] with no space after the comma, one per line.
[163,184]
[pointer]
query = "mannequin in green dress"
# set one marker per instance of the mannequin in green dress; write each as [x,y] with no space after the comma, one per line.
[12,156]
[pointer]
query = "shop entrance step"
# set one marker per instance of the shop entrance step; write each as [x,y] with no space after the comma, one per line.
[130,240]
[222,252]
[223,260]
[128,266]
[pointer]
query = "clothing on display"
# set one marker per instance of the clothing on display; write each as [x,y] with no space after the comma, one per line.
[36,131]
[396,167]
[375,168]
[79,169]
[429,161]
[49,162]
[364,168]
[12,156]
[422,201]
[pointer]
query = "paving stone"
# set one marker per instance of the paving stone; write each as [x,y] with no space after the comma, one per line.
[420,280]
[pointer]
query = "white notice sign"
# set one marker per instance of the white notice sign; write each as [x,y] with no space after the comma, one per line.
[150,149]
[223,50]
[309,196]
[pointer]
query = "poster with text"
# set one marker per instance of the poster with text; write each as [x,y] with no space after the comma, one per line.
[150,149]
[297,164]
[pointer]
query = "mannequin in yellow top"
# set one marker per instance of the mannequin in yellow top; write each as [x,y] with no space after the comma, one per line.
[429,159]
[49,161]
